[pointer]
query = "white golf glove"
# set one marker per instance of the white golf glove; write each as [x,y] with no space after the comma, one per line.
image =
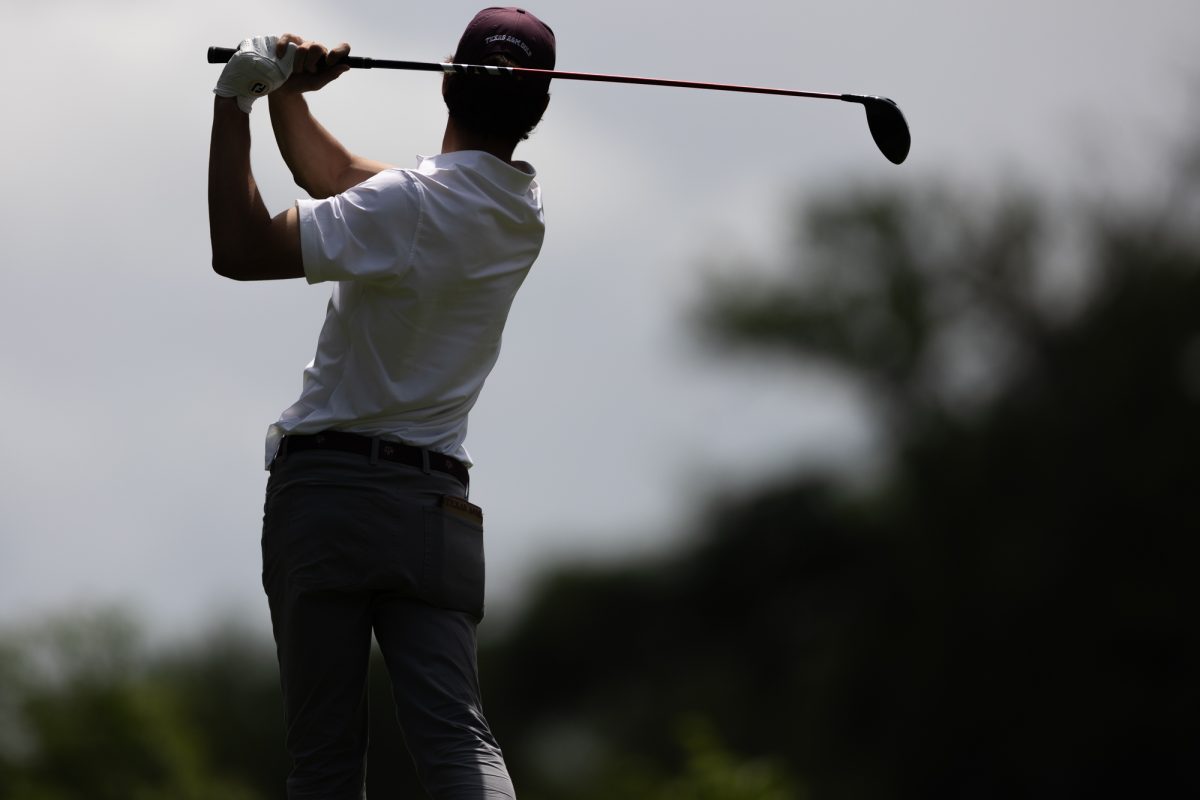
[254,71]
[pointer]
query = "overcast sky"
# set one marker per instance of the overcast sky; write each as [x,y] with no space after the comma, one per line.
[138,385]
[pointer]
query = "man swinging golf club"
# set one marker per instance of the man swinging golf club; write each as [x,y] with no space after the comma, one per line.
[367,527]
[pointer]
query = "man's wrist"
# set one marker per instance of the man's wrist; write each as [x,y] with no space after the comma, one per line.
[284,94]
[228,106]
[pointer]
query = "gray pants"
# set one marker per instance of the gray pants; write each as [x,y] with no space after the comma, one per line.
[351,548]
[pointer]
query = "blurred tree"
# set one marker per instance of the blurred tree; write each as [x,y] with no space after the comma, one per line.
[1008,611]
[226,690]
[85,719]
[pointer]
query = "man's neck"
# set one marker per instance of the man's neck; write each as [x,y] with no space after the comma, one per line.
[456,139]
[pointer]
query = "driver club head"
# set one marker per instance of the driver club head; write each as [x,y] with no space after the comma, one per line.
[888,126]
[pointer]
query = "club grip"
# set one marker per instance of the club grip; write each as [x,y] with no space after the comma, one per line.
[221,55]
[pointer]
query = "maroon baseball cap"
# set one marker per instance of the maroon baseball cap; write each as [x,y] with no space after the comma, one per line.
[511,32]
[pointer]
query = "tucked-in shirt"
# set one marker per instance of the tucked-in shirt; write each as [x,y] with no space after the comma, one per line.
[426,263]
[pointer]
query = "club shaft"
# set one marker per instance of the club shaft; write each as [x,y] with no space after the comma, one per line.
[219,55]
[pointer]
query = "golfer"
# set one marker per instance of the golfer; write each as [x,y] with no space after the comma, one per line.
[367,526]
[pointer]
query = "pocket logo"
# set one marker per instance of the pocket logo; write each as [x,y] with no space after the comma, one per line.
[456,505]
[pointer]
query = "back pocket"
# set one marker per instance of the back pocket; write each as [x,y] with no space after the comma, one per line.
[454,568]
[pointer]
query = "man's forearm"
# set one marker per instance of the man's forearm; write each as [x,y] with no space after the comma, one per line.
[320,164]
[235,206]
[311,152]
[246,242]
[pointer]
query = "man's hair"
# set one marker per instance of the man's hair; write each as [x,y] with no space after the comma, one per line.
[506,107]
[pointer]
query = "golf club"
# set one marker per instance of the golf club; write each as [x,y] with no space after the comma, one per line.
[887,124]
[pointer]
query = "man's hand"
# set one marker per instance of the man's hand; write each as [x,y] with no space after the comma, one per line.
[314,64]
[261,65]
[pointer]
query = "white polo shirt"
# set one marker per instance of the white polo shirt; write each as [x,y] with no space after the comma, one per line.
[426,263]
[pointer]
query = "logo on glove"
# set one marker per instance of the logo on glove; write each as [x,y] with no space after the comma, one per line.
[258,88]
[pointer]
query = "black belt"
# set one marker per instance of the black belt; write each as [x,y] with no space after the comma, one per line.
[381,449]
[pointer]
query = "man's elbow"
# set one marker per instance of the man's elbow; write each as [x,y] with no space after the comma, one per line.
[239,265]
[256,266]
[314,188]
[264,252]
[229,253]
[230,266]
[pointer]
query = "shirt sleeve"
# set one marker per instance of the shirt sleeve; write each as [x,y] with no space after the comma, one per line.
[366,233]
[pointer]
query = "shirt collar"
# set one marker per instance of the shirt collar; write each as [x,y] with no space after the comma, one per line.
[516,176]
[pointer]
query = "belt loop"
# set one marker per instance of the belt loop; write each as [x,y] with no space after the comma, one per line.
[282,454]
[424,461]
[374,457]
